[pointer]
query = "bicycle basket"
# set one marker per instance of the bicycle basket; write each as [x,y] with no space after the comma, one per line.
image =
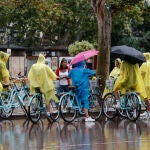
[56,84]
[93,83]
[110,84]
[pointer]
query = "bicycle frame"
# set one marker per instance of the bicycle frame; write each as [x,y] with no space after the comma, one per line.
[11,103]
[75,106]
[126,98]
[42,106]
[73,94]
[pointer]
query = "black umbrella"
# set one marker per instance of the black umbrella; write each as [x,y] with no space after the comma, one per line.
[128,54]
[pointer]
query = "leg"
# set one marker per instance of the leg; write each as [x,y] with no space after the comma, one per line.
[86,112]
[85,102]
[48,107]
[60,90]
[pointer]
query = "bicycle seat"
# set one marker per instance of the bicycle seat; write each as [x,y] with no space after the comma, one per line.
[72,87]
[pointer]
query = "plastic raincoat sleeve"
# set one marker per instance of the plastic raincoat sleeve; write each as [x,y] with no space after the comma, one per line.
[51,73]
[1,88]
[4,73]
[130,79]
[145,72]
[115,72]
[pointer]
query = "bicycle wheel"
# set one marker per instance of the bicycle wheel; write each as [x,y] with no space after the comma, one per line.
[133,107]
[97,91]
[95,106]
[54,110]
[108,106]
[122,110]
[34,108]
[6,112]
[67,107]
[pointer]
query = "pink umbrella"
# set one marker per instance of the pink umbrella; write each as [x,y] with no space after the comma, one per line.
[83,56]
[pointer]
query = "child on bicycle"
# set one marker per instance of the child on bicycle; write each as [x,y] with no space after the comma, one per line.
[41,76]
[80,78]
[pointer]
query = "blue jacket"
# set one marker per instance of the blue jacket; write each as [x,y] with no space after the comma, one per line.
[80,77]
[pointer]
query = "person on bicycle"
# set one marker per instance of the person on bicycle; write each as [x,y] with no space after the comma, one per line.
[130,79]
[80,78]
[41,76]
[116,70]
[114,74]
[4,73]
[145,72]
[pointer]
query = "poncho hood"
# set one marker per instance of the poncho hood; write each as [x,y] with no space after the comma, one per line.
[147,56]
[41,59]
[80,64]
[4,56]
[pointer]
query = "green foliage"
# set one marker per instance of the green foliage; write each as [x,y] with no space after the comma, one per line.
[78,47]
[65,21]
[130,28]
[145,41]
[61,21]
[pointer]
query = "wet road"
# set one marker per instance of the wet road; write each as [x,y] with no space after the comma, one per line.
[21,134]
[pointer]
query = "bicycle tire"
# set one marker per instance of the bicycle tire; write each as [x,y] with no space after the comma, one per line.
[67,112]
[8,113]
[54,110]
[34,108]
[122,110]
[109,110]
[97,91]
[95,106]
[133,107]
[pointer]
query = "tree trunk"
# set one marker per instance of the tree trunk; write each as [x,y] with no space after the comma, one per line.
[103,16]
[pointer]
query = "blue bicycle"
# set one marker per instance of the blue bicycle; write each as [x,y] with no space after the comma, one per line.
[37,107]
[69,107]
[130,105]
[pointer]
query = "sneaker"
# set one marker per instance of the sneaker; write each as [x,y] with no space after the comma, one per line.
[144,115]
[54,111]
[89,119]
[77,120]
[117,105]
[89,124]
[134,114]
[48,114]
[64,111]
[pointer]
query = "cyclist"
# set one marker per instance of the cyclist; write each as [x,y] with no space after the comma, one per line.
[145,72]
[114,74]
[41,76]
[130,79]
[80,78]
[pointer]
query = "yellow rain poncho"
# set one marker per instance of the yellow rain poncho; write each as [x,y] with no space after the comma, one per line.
[41,76]
[145,72]
[130,79]
[114,74]
[1,88]
[4,73]
[116,71]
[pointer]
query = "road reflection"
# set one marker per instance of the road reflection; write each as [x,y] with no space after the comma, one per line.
[105,135]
